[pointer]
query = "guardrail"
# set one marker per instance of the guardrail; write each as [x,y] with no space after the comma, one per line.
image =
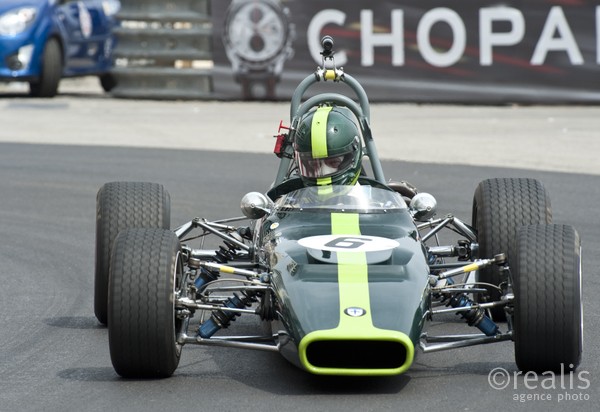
[529,52]
[164,49]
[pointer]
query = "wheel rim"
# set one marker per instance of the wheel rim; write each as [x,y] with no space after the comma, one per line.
[177,284]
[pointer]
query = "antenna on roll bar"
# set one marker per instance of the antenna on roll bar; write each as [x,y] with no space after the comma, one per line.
[327,44]
[327,53]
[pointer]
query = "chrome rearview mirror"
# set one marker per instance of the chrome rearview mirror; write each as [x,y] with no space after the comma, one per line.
[255,205]
[423,206]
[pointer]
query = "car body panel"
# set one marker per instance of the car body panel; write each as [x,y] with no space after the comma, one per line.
[82,27]
[350,294]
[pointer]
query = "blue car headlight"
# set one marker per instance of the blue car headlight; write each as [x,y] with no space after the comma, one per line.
[16,21]
[111,7]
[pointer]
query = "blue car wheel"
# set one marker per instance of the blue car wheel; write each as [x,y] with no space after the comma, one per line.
[47,85]
[108,82]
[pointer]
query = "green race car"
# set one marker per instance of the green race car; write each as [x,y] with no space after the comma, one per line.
[343,268]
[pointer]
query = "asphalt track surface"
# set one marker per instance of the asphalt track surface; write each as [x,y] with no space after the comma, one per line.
[54,355]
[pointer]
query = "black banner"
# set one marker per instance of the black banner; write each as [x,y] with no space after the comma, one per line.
[534,51]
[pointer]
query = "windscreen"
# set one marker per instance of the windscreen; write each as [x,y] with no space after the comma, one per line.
[358,198]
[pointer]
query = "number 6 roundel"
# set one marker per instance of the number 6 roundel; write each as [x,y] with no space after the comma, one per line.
[324,248]
[347,242]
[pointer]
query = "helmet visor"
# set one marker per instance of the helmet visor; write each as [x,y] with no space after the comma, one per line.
[323,167]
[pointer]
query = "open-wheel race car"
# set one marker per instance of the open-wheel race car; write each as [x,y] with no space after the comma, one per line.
[344,275]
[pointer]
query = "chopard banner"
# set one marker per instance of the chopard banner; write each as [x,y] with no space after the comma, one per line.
[534,51]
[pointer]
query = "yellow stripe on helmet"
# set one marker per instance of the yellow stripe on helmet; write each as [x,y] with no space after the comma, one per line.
[318,132]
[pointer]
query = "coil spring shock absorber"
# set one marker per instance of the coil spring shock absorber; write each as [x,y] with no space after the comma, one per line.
[230,250]
[475,316]
[225,254]
[220,318]
[203,277]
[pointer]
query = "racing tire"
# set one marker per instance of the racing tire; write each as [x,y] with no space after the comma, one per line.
[500,206]
[547,288]
[120,206]
[51,71]
[146,269]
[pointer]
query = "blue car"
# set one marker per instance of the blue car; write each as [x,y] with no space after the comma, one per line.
[42,41]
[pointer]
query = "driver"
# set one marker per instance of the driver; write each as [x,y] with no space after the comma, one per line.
[328,151]
[327,148]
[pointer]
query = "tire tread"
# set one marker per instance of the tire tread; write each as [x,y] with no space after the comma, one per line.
[547,279]
[500,207]
[120,206]
[140,304]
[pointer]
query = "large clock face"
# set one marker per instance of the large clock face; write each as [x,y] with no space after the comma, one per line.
[256,32]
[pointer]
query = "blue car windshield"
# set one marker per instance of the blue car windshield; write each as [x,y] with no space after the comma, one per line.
[359,198]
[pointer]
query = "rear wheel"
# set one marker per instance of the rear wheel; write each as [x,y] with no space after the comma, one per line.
[500,206]
[547,286]
[51,72]
[120,206]
[146,271]
[108,82]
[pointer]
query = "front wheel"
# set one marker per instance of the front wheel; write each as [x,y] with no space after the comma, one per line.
[145,273]
[548,318]
[51,71]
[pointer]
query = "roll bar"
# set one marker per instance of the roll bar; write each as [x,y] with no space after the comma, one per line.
[337,75]
[361,110]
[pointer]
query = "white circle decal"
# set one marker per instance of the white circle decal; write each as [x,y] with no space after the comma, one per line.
[348,243]
[325,248]
[355,312]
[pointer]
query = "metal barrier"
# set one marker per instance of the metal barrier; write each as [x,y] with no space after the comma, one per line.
[164,50]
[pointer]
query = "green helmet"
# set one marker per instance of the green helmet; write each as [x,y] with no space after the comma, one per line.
[327,147]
